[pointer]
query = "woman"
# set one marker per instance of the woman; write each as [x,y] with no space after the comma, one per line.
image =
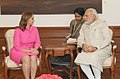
[75,26]
[26,43]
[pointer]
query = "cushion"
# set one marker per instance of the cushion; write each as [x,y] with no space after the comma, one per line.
[12,64]
[108,62]
[9,38]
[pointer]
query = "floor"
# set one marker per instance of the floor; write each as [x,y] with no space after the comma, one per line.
[19,75]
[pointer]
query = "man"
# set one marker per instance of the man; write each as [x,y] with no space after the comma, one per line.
[95,40]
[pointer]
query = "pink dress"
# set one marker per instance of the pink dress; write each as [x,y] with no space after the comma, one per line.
[24,39]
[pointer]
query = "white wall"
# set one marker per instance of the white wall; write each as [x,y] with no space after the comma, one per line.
[111,14]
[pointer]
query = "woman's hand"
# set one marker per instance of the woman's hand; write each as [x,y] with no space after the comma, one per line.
[26,50]
[34,50]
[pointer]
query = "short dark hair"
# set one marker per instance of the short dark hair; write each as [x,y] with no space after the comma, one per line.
[80,11]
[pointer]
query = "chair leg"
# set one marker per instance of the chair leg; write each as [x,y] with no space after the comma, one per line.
[40,66]
[78,72]
[8,74]
[47,62]
[71,65]
[112,69]
[6,71]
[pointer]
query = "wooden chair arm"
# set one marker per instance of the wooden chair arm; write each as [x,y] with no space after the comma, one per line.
[3,48]
[112,41]
[40,51]
[4,51]
[114,47]
[77,49]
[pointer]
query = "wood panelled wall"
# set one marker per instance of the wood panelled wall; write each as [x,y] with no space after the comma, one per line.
[48,35]
[56,35]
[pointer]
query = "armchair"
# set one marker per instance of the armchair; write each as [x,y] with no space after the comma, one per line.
[108,63]
[7,62]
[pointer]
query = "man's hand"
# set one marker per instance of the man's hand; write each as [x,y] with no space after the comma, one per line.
[85,48]
[92,49]
[68,36]
[88,48]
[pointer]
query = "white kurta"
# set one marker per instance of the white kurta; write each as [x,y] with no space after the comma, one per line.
[97,34]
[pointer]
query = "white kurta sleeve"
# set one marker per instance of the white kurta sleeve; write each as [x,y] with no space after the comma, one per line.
[107,37]
[80,39]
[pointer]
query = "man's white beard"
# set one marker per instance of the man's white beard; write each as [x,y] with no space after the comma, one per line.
[88,22]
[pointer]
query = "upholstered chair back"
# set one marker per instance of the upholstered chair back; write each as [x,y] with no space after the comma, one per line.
[9,39]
